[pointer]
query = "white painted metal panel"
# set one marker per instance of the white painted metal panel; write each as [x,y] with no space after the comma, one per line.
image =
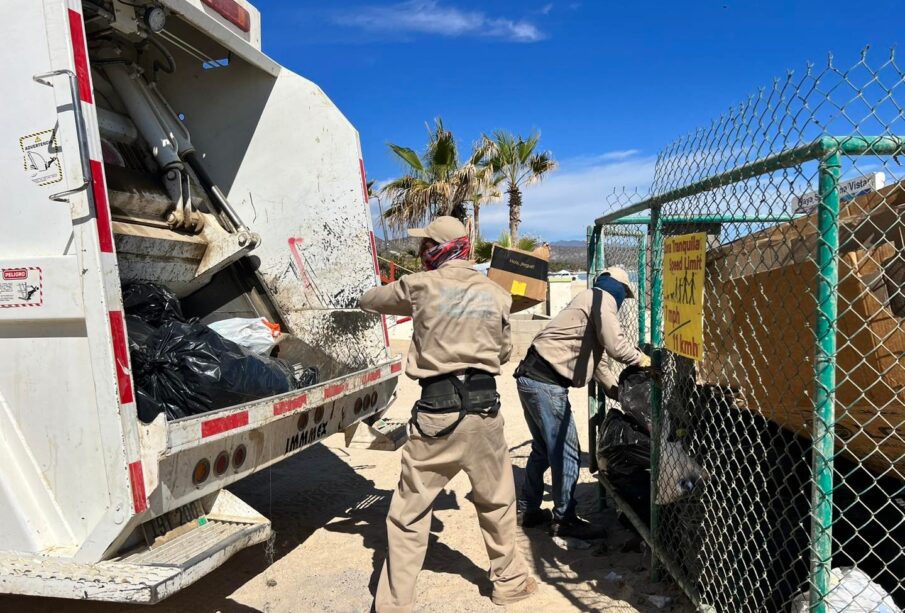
[40,289]
[61,416]
[244,45]
[30,223]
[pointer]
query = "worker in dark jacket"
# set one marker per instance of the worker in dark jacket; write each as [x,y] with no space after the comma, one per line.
[461,336]
[566,354]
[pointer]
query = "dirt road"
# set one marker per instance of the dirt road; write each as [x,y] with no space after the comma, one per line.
[328,506]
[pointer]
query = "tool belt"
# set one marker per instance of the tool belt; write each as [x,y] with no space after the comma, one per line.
[473,393]
[537,368]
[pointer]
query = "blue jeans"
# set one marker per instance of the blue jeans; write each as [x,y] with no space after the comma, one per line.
[554,445]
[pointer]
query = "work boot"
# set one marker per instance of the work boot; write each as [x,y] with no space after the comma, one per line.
[534,517]
[576,527]
[502,601]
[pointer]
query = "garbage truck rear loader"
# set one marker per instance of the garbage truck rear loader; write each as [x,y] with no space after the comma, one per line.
[153,142]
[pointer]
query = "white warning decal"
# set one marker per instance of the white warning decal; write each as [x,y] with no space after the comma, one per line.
[41,157]
[21,287]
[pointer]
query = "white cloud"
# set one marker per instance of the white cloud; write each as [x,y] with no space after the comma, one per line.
[545,10]
[572,197]
[430,17]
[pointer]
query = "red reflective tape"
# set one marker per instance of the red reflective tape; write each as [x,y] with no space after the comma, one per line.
[374,253]
[232,12]
[121,356]
[102,209]
[403,320]
[80,55]
[290,405]
[371,377]
[137,478]
[223,424]
[364,181]
[294,249]
[397,367]
[334,390]
[383,318]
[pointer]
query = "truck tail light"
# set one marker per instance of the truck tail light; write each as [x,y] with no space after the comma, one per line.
[239,457]
[221,463]
[202,471]
[232,12]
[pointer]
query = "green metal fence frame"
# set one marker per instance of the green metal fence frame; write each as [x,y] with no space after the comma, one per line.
[828,152]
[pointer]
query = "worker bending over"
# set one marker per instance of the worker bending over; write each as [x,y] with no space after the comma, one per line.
[461,336]
[567,353]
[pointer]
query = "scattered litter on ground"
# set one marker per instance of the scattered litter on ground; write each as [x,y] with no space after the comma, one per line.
[570,543]
[661,602]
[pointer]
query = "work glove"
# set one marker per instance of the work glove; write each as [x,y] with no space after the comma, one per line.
[644,362]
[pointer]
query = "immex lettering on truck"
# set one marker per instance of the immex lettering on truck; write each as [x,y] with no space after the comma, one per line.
[303,438]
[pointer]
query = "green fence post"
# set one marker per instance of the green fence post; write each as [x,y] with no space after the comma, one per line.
[642,287]
[656,396]
[595,257]
[825,379]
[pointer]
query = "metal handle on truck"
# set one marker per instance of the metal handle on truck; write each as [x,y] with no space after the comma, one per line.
[80,130]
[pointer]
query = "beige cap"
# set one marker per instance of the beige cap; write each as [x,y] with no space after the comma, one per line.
[441,230]
[618,273]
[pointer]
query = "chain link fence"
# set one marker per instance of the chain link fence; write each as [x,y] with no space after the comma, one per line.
[777,442]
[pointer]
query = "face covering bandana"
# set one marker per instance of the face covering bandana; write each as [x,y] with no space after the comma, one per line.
[612,287]
[453,250]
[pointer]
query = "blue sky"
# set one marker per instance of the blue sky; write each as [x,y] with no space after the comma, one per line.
[607,83]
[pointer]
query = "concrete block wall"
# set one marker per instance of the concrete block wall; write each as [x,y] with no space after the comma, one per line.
[524,329]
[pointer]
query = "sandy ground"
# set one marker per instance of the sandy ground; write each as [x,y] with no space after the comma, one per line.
[328,506]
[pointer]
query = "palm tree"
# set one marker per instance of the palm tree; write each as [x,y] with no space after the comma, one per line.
[435,183]
[515,161]
[374,194]
[488,194]
[483,249]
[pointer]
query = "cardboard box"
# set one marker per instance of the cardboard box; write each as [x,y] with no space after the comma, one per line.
[759,326]
[522,274]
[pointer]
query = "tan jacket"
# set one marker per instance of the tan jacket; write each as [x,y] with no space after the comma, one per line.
[460,318]
[575,349]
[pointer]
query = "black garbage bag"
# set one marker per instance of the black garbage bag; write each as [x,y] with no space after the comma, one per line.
[191,369]
[635,386]
[624,444]
[306,377]
[147,406]
[139,332]
[152,303]
[623,454]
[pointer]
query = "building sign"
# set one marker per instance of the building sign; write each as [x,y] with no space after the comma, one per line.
[848,190]
[683,293]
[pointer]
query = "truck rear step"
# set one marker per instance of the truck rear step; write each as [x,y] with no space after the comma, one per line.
[146,575]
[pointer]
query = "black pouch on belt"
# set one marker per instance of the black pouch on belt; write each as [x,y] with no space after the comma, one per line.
[537,368]
[475,392]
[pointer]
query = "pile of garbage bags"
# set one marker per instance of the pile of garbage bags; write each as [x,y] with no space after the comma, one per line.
[624,444]
[182,368]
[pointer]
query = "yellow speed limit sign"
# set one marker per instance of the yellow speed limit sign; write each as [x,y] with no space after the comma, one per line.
[683,293]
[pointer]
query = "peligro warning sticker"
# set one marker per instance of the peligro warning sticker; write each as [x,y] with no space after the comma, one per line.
[21,287]
[41,157]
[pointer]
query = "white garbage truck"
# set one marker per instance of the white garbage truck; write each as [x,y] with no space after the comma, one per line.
[151,141]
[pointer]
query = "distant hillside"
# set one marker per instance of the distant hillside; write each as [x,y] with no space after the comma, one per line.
[569,255]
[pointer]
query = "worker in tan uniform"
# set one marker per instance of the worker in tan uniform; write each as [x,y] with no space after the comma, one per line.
[565,354]
[461,336]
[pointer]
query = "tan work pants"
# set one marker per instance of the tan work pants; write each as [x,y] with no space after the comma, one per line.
[478,447]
